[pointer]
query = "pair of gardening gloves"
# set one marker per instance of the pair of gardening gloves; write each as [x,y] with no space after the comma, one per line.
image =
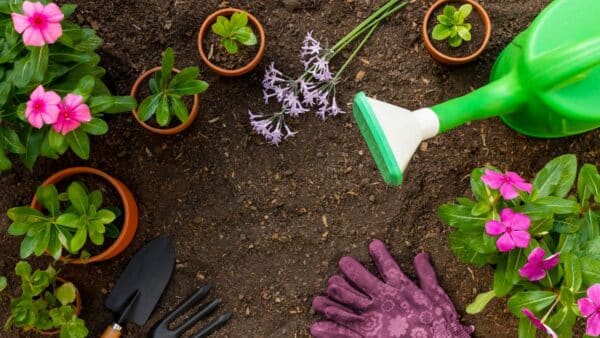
[358,304]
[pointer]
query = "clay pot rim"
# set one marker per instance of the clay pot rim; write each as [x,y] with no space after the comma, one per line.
[239,71]
[77,308]
[130,211]
[163,131]
[441,57]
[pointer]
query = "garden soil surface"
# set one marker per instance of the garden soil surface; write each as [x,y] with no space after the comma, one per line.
[266,225]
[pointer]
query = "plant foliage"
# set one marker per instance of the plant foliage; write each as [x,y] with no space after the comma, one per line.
[234,31]
[452,25]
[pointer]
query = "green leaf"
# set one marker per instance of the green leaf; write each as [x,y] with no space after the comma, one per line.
[96,126]
[572,268]
[449,11]
[556,178]
[25,214]
[167,67]
[56,140]
[219,27]
[68,9]
[502,286]
[460,217]
[526,328]
[246,36]
[464,11]
[95,198]
[480,190]
[5,89]
[464,33]
[10,141]
[455,41]
[516,260]
[18,228]
[78,197]
[559,205]
[32,141]
[238,20]
[23,269]
[480,302]
[42,240]
[105,216]
[54,246]
[562,322]
[26,248]
[590,270]
[5,163]
[179,109]
[48,197]
[3,283]
[66,293]
[465,248]
[39,62]
[535,301]
[99,104]
[78,240]
[230,45]
[589,180]
[163,114]
[79,142]
[121,104]
[186,74]
[191,87]
[85,86]
[149,106]
[444,20]
[569,225]
[69,220]
[441,32]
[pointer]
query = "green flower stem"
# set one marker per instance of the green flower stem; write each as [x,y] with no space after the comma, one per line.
[551,309]
[353,55]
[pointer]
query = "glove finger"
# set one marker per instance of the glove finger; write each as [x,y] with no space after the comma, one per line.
[348,296]
[360,276]
[327,329]
[321,303]
[387,266]
[430,285]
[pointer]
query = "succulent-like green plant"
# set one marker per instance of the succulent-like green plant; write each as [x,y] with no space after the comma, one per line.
[44,304]
[167,91]
[234,31]
[452,25]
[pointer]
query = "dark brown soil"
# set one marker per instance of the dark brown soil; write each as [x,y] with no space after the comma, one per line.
[218,55]
[467,47]
[266,225]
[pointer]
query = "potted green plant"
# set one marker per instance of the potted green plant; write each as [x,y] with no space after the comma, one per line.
[72,221]
[165,101]
[47,304]
[452,35]
[231,47]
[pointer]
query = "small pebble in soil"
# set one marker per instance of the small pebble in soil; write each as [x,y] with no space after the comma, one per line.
[372,198]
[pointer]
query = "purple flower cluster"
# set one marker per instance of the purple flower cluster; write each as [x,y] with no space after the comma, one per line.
[314,89]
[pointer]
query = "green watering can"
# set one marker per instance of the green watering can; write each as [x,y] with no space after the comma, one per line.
[546,83]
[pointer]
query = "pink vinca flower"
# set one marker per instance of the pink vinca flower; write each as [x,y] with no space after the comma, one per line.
[509,183]
[512,229]
[40,25]
[72,113]
[538,323]
[590,309]
[42,107]
[536,266]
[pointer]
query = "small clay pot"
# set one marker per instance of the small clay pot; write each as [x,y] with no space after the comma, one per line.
[443,58]
[77,308]
[163,131]
[130,212]
[205,29]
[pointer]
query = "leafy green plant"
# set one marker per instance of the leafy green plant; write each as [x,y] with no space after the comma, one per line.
[70,218]
[168,90]
[234,31]
[452,25]
[45,304]
[68,66]
[546,268]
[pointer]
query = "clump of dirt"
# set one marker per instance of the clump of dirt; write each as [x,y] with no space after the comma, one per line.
[218,55]
[467,47]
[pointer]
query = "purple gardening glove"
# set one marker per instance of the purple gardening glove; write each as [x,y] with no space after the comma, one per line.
[361,305]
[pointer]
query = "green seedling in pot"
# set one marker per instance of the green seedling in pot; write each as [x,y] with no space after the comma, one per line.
[167,92]
[544,84]
[452,25]
[67,221]
[45,304]
[234,31]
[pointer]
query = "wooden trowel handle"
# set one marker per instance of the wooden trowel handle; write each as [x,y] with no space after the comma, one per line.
[112,331]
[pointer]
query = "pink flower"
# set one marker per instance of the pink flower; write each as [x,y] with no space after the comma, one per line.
[508,183]
[72,113]
[513,228]
[536,266]
[40,25]
[42,107]
[590,309]
[538,323]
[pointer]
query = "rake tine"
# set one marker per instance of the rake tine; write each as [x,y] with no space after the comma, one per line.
[206,310]
[191,301]
[214,325]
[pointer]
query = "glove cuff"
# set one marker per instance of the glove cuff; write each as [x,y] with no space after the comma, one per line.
[460,331]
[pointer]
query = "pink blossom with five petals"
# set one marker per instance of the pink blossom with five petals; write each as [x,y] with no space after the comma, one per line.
[39,24]
[512,229]
[72,113]
[536,266]
[590,309]
[42,107]
[509,184]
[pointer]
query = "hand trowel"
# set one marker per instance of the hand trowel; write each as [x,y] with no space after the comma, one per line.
[545,84]
[136,293]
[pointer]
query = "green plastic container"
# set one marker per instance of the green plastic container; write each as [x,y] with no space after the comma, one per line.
[546,83]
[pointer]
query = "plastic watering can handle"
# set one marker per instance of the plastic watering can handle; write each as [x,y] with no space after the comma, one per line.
[507,94]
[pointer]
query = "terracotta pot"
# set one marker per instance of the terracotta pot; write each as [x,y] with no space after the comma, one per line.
[77,309]
[130,212]
[443,58]
[205,28]
[163,131]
